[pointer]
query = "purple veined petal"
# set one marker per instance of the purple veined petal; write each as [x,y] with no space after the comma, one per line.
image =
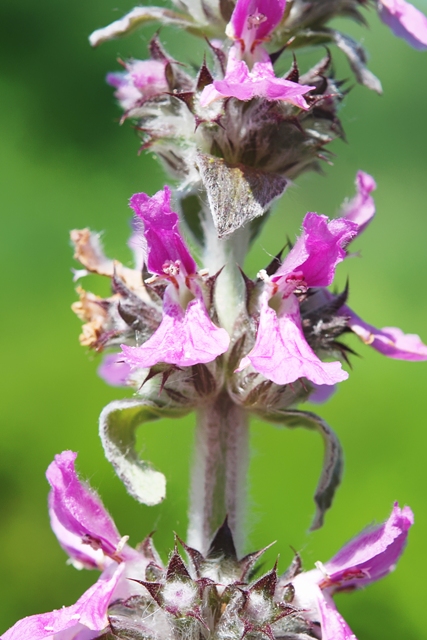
[318,250]
[333,625]
[254,20]
[81,554]
[260,82]
[113,370]
[321,393]
[281,352]
[390,341]
[183,337]
[372,554]
[405,21]
[89,612]
[164,241]
[361,208]
[77,507]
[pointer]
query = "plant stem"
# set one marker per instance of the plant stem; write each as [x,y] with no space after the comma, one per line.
[227,254]
[218,482]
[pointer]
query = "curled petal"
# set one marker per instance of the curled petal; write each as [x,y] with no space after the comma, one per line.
[164,241]
[281,352]
[253,20]
[260,82]
[114,370]
[77,507]
[184,338]
[81,553]
[405,21]
[361,208]
[318,250]
[390,341]
[372,554]
[89,612]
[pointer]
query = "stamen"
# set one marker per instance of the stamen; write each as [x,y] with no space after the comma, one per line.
[255,20]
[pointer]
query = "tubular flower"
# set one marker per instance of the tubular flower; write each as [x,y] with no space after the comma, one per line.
[87,533]
[368,557]
[186,335]
[281,352]
[405,21]
[142,80]
[251,24]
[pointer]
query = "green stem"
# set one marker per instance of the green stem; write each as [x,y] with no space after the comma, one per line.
[218,482]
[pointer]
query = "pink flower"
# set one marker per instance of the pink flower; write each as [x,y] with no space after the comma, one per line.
[186,334]
[113,370]
[259,82]
[143,79]
[405,21]
[368,557]
[281,352]
[88,534]
[361,208]
[251,23]
[390,341]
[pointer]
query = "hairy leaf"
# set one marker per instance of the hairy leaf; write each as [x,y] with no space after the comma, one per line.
[117,426]
[333,459]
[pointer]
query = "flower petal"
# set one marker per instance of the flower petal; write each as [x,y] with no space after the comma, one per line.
[318,250]
[113,370]
[333,625]
[81,554]
[183,338]
[77,507]
[361,208]
[253,20]
[390,341]
[164,241]
[260,82]
[405,21]
[90,612]
[281,352]
[372,554]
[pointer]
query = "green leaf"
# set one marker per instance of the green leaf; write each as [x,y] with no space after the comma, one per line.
[333,459]
[136,18]
[117,426]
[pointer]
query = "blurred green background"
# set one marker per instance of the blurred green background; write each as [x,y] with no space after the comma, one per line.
[66,163]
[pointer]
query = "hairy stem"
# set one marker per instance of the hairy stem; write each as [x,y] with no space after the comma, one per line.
[218,482]
[227,254]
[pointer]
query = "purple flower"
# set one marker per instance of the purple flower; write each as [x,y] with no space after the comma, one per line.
[114,371]
[281,352]
[368,557]
[405,21]
[259,82]
[88,534]
[361,208]
[186,334]
[142,79]
[249,28]
[390,341]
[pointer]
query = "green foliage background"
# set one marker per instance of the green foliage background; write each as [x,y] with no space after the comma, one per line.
[65,163]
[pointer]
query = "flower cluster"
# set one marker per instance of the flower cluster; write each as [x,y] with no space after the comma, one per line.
[212,595]
[187,329]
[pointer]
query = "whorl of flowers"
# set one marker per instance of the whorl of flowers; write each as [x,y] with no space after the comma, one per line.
[188,330]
